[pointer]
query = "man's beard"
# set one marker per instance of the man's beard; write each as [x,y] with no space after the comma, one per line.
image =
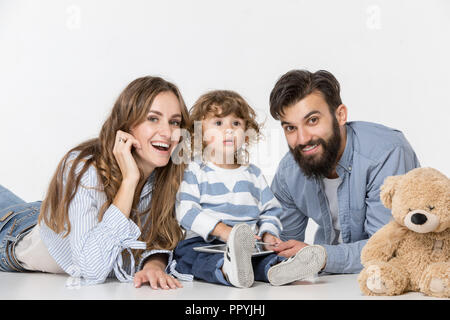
[315,166]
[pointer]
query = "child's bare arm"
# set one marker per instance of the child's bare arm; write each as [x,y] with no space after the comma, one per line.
[222,231]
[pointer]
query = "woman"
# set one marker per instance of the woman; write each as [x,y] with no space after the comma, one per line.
[108,195]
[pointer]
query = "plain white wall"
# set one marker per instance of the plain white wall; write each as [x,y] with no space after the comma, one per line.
[63,63]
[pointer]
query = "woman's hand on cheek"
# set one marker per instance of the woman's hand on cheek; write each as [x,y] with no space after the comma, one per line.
[122,152]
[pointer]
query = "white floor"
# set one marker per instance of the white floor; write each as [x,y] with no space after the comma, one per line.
[30,286]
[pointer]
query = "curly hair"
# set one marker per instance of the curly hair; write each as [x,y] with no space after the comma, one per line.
[221,103]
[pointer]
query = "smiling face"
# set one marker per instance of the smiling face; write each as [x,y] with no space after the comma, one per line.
[223,136]
[159,133]
[316,138]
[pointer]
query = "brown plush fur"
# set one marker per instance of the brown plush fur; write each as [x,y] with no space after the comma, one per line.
[397,259]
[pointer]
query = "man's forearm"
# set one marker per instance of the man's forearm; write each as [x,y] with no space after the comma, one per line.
[344,257]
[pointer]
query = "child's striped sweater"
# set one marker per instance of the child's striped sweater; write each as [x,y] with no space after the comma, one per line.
[210,194]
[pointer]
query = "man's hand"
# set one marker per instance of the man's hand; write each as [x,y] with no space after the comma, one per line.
[289,248]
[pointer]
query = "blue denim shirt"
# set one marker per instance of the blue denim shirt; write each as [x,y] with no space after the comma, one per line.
[372,153]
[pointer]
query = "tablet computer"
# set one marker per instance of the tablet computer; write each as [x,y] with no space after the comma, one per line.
[220,248]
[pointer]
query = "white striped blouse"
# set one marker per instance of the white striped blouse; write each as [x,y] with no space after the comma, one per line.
[92,251]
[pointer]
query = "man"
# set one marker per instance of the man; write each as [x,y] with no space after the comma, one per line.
[334,169]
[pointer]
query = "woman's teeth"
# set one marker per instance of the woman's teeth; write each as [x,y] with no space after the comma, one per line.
[160,145]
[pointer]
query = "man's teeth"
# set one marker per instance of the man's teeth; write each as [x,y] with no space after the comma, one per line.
[309,148]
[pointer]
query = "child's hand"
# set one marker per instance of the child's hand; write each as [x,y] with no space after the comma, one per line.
[270,238]
[222,231]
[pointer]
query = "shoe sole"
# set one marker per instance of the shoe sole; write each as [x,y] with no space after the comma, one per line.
[242,245]
[307,262]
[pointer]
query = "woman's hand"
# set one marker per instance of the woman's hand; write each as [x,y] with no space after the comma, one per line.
[153,273]
[122,152]
[130,171]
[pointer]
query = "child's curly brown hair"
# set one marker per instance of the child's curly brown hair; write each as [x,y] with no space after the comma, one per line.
[221,103]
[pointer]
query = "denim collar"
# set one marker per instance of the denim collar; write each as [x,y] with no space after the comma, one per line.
[347,157]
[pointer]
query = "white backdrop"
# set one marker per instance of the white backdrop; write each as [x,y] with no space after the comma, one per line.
[63,64]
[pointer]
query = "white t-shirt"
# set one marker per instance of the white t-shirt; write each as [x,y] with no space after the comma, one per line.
[33,254]
[331,186]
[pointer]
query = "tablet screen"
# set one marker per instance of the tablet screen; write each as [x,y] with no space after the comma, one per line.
[220,248]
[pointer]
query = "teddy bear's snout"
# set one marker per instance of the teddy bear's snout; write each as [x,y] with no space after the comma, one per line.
[418,218]
[421,221]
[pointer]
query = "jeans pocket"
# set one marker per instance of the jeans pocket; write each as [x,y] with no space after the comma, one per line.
[7,216]
[15,219]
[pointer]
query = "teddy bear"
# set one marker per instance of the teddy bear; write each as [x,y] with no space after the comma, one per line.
[411,252]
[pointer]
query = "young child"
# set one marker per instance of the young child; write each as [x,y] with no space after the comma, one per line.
[224,199]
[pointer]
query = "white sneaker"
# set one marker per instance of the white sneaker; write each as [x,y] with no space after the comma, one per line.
[305,264]
[237,265]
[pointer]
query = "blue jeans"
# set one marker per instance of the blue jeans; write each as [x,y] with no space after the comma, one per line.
[17,218]
[207,266]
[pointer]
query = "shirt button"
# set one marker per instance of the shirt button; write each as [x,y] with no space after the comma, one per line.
[350,168]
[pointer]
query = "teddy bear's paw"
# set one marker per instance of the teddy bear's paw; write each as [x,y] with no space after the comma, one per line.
[435,281]
[374,281]
[439,287]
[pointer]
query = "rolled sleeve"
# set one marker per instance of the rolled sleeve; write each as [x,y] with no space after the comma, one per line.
[120,226]
[148,253]
[269,228]
[344,258]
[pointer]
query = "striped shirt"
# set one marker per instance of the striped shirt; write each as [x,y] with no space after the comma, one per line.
[210,194]
[92,251]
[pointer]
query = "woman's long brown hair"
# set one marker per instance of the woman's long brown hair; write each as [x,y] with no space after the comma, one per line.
[161,229]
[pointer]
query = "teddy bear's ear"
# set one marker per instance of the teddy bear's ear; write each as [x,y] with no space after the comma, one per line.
[388,190]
